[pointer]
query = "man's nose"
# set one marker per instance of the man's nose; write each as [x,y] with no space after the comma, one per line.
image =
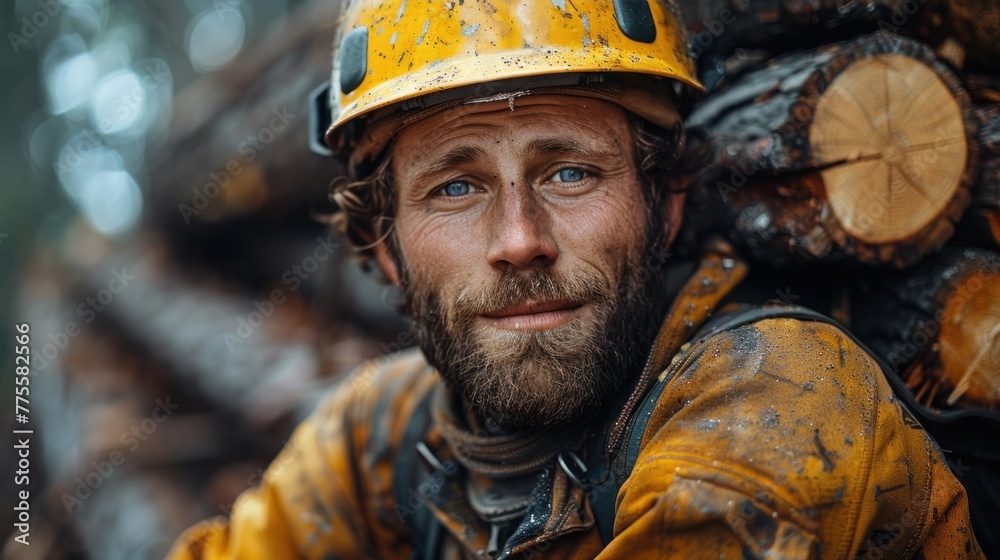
[521,231]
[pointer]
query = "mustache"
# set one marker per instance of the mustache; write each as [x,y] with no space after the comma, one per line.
[514,287]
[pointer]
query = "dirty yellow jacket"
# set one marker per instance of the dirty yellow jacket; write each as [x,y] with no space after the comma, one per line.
[778,439]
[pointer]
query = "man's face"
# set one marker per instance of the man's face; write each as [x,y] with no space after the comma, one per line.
[519,240]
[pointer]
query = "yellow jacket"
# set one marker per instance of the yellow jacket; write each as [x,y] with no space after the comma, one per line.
[779,439]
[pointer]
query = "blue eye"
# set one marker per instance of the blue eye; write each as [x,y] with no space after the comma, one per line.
[571,175]
[456,188]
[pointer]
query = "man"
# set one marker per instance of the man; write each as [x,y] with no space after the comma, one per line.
[509,173]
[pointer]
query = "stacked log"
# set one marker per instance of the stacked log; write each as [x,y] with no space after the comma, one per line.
[939,325]
[238,152]
[982,221]
[258,355]
[726,33]
[867,151]
[862,150]
[146,407]
[720,27]
[231,222]
[103,450]
[984,89]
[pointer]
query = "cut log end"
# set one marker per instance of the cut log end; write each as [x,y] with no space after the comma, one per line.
[890,138]
[970,338]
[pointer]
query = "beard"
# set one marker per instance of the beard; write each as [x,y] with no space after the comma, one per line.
[534,379]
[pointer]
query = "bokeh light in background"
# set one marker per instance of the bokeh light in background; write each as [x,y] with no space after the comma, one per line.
[111,201]
[68,71]
[215,38]
[89,90]
[108,71]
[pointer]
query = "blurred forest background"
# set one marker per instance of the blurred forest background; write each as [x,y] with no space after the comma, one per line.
[146,282]
[161,232]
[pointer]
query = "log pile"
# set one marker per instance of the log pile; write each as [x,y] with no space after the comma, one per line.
[99,474]
[852,152]
[239,307]
[164,394]
[873,152]
[975,24]
[238,153]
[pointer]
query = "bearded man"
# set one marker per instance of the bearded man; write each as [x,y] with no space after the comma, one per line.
[509,172]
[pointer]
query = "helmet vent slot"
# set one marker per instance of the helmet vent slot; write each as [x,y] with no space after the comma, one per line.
[353,59]
[635,20]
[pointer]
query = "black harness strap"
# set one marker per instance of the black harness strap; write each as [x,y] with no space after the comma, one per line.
[425,531]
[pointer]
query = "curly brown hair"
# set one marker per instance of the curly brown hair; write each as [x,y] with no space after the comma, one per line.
[366,205]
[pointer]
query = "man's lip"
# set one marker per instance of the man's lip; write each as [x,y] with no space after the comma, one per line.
[534,316]
[532,308]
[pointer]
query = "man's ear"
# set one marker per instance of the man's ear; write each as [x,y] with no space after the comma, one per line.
[386,264]
[674,214]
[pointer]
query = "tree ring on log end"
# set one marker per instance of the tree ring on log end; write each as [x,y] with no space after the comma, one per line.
[890,138]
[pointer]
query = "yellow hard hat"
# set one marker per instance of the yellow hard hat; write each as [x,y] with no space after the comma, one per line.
[400,58]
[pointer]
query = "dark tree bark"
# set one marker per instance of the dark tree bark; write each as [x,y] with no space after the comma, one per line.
[984,215]
[720,26]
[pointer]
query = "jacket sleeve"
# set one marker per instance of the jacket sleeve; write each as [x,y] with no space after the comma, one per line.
[782,439]
[324,496]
